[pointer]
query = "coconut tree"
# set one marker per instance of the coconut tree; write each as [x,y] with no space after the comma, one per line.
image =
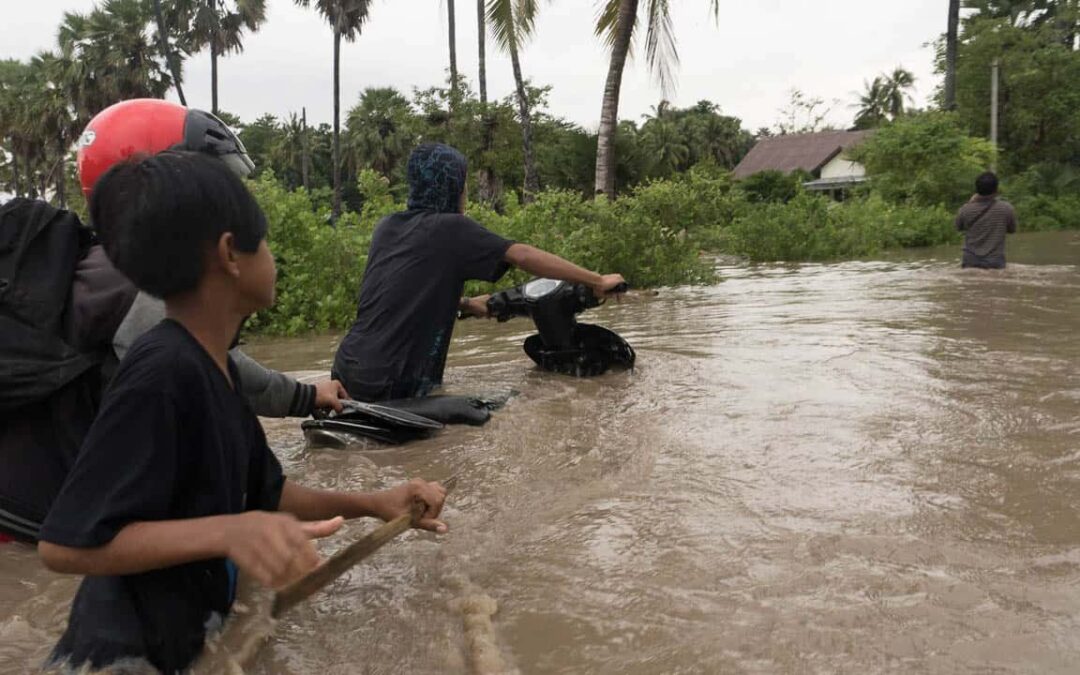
[512,23]
[884,99]
[662,141]
[219,25]
[896,88]
[872,110]
[617,24]
[346,17]
[951,47]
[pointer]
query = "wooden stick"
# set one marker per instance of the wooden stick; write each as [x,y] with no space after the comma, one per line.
[343,561]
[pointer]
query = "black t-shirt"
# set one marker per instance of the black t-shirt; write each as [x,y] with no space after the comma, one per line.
[417,267]
[173,440]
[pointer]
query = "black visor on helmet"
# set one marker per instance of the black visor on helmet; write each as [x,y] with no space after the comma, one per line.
[204,132]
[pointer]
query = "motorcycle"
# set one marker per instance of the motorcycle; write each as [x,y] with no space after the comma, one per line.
[561,345]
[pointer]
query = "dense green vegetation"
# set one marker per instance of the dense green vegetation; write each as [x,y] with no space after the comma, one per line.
[534,176]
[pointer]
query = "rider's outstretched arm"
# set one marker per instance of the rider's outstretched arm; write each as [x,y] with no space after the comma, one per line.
[544,264]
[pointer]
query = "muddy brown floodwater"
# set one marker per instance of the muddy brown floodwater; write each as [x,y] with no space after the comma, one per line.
[860,467]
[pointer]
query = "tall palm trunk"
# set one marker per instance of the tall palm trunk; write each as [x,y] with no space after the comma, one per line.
[485,177]
[15,167]
[335,211]
[31,189]
[170,57]
[481,35]
[213,77]
[452,29]
[214,57]
[609,111]
[305,156]
[951,45]
[532,182]
[61,176]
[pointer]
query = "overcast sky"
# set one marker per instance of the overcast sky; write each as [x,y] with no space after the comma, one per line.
[747,63]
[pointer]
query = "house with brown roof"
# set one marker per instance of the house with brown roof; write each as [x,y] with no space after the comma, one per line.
[821,154]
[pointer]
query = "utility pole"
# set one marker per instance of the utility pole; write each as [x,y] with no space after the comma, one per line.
[994,71]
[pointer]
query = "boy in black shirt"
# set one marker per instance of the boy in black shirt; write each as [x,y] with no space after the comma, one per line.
[175,486]
[417,267]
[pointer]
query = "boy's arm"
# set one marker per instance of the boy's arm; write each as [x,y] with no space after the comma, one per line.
[548,265]
[141,547]
[274,394]
[310,504]
[273,547]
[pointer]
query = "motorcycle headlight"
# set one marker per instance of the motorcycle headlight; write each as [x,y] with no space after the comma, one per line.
[539,288]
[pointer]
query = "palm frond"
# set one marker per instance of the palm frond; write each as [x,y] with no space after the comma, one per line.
[660,51]
[501,22]
[606,22]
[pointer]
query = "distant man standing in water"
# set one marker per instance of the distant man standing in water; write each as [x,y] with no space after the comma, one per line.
[985,220]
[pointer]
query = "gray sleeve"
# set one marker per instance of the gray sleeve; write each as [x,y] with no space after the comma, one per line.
[1010,224]
[270,393]
[145,313]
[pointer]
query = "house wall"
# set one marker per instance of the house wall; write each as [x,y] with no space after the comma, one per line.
[841,167]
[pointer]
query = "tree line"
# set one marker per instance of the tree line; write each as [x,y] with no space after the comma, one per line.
[135,48]
[127,48]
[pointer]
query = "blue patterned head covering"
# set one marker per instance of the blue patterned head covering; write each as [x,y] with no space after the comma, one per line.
[436,175]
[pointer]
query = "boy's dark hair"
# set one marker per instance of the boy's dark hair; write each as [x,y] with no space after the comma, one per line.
[157,216]
[987,184]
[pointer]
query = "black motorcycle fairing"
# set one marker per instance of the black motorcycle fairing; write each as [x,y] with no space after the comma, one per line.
[595,350]
[472,410]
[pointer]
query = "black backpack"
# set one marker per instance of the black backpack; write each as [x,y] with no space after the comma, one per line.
[40,247]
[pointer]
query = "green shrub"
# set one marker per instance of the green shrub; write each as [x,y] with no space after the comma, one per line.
[771,187]
[1046,197]
[319,267]
[925,159]
[812,227]
[625,236]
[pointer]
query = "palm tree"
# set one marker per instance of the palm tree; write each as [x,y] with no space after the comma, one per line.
[377,130]
[662,141]
[107,56]
[346,17]
[55,127]
[289,149]
[884,99]
[895,91]
[951,44]
[616,25]
[12,76]
[220,24]
[512,22]
[872,106]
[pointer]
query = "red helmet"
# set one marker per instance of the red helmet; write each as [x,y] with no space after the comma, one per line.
[149,126]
